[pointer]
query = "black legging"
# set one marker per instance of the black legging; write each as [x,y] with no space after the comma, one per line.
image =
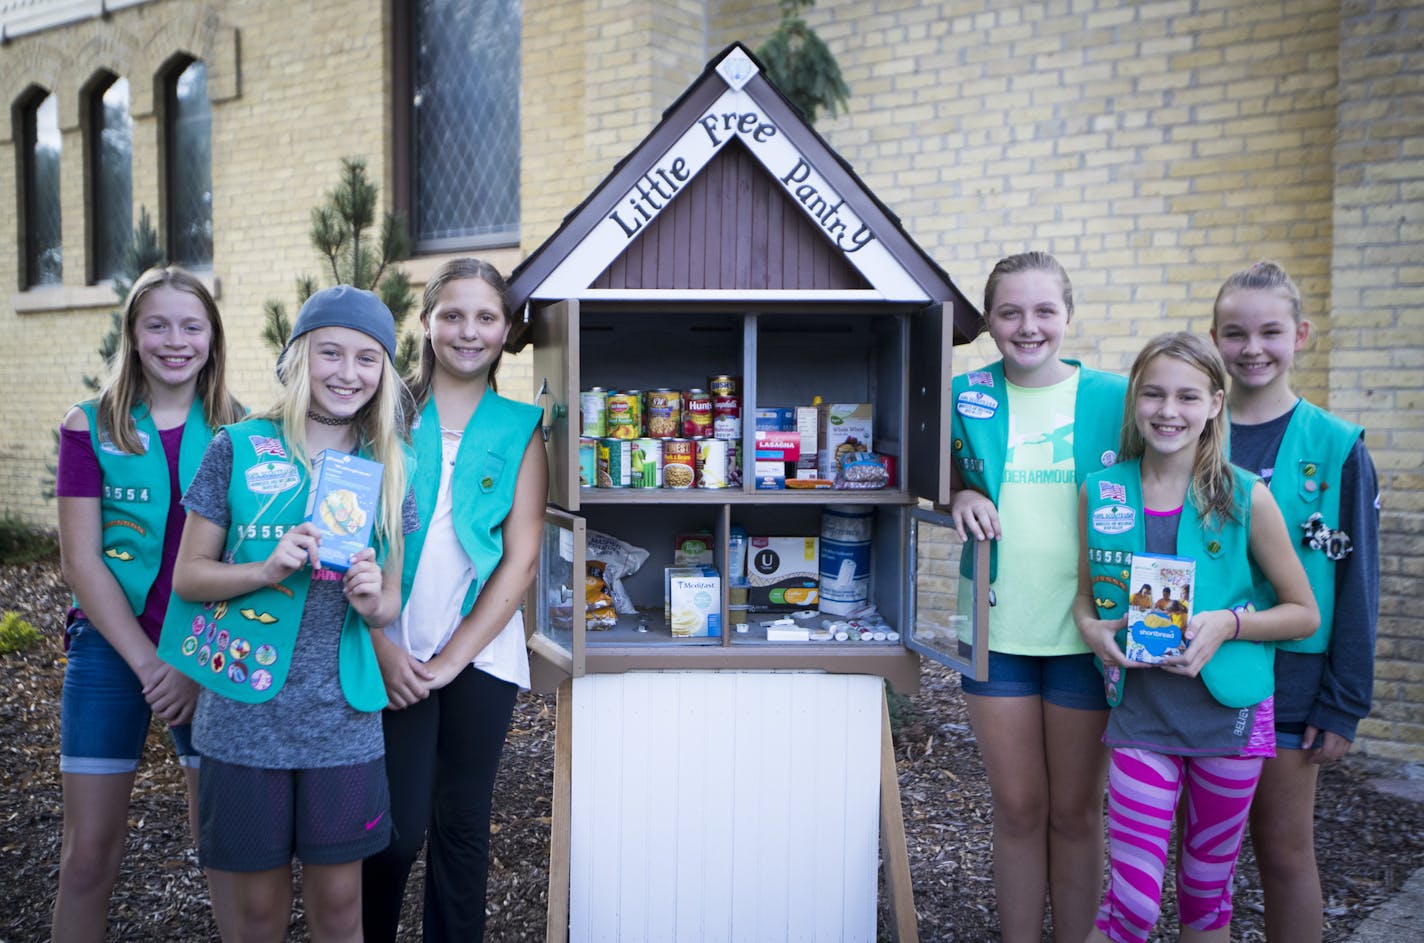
[442,755]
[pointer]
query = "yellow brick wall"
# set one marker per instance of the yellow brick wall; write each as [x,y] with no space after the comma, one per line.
[1154,147]
[1377,334]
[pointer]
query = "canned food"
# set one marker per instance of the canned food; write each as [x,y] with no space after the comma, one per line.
[711,463]
[615,465]
[588,462]
[734,463]
[726,417]
[647,463]
[593,407]
[723,385]
[696,414]
[663,413]
[625,414]
[679,463]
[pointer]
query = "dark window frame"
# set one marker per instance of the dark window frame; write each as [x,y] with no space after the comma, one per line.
[24,117]
[404,164]
[167,90]
[101,266]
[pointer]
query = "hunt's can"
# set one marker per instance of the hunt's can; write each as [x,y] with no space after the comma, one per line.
[711,463]
[588,462]
[662,413]
[615,463]
[723,385]
[679,463]
[726,417]
[625,414]
[646,464]
[696,414]
[593,407]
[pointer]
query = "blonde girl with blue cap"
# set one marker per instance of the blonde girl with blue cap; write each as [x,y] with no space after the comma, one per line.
[288,718]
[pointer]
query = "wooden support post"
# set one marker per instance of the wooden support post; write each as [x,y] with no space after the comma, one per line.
[557,922]
[904,924]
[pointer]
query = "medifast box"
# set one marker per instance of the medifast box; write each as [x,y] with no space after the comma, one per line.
[346,491]
[783,573]
[1159,607]
[693,601]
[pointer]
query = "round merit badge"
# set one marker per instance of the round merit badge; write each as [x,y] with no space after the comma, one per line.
[240,648]
[265,655]
[261,679]
[190,645]
[237,672]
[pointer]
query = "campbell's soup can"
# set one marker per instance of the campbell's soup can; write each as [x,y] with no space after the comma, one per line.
[696,414]
[662,413]
[625,414]
[679,463]
[588,462]
[726,417]
[615,463]
[711,463]
[723,385]
[646,463]
[593,407]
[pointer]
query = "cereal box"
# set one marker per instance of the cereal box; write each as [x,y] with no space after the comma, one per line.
[1159,607]
[346,490]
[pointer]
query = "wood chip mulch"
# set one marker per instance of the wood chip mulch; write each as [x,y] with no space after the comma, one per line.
[1368,842]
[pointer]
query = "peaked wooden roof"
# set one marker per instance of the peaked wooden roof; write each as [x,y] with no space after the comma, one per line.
[733,195]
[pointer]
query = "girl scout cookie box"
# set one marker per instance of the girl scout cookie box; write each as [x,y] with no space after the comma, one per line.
[342,505]
[1160,606]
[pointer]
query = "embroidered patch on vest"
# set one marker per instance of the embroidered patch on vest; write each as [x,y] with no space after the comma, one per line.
[981,378]
[1114,519]
[972,404]
[267,445]
[106,444]
[1108,458]
[272,477]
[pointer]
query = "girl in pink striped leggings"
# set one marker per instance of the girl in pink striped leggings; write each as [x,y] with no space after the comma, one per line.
[1198,723]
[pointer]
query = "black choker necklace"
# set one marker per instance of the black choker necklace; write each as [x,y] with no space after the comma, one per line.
[315,416]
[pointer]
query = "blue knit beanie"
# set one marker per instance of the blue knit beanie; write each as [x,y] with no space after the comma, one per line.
[344,306]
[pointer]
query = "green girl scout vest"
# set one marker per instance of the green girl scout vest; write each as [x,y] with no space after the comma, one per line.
[482,492]
[242,648]
[1241,673]
[134,504]
[979,429]
[1306,481]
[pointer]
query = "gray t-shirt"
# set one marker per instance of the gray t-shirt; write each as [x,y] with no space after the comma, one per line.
[1171,713]
[309,723]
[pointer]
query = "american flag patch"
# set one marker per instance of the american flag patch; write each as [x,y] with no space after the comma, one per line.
[1111,491]
[267,445]
[981,378]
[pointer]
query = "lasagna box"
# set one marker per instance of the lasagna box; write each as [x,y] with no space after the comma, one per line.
[345,493]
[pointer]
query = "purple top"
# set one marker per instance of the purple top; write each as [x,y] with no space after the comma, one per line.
[79,476]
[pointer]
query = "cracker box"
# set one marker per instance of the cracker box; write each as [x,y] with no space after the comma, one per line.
[1159,607]
[693,601]
[346,491]
[846,428]
[783,573]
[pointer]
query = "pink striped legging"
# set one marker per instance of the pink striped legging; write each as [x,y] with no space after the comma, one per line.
[1143,788]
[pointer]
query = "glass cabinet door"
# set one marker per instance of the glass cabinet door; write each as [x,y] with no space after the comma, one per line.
[558,599]
[949,595]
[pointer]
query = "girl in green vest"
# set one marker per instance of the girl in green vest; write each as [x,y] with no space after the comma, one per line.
[456,658]
[1321,475]
[1025,432]
[1200,724]
[124,459]
[288,718]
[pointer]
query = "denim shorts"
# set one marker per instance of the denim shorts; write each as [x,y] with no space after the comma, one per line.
[252,819]
[1065,680]
[104,718]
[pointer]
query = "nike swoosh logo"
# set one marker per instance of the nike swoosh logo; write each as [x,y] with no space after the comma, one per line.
[374,822]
